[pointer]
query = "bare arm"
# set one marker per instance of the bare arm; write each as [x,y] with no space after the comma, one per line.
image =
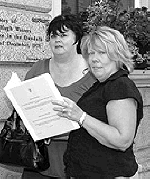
[119,133]
[120,130]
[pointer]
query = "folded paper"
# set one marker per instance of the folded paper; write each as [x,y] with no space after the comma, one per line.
[32,100]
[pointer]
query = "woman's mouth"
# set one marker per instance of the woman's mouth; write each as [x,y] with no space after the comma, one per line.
[58,46]
[96,68]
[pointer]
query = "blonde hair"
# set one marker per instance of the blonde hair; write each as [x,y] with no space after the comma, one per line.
[112,42]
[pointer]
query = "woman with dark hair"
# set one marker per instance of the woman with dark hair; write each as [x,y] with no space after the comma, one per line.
[69,71]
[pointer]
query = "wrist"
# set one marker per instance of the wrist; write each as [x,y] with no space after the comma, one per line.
[82,119]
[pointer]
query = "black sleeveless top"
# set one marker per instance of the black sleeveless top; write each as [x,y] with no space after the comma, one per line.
[85,155]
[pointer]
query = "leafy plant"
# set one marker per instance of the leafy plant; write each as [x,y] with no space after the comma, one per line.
[132,23]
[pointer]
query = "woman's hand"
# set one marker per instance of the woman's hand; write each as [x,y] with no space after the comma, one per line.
[68,109]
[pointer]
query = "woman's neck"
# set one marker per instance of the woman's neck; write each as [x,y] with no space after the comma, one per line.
[65,71]
[66,64]
[65,58]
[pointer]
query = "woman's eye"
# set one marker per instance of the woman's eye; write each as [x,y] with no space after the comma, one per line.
[63,35]
[91,53]
[52,36]
[101,53]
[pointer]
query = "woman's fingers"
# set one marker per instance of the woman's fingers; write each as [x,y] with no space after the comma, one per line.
[60,103]
[57,102]
[66,108]
[63,108]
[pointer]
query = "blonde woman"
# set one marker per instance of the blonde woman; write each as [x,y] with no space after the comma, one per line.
[108,113]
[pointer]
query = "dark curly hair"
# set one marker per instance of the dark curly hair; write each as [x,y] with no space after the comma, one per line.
[70,21]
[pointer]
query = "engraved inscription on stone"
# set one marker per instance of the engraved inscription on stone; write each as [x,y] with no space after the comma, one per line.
[23,35]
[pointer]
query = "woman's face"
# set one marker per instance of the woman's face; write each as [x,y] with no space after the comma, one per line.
[100,64]
[63,42]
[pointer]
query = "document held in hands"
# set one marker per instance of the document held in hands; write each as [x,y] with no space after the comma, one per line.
[32,100]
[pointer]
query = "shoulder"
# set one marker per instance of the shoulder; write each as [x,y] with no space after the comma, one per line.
[121,88]
[122,82]
[37,69]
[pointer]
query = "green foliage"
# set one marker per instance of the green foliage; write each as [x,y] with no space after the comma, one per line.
[102,12]
[132,23]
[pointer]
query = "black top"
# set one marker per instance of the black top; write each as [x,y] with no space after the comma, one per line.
[85,155]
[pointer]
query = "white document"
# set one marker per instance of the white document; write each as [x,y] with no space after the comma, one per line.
[32,100]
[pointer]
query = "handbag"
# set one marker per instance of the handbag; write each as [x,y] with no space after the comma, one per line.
[17,147]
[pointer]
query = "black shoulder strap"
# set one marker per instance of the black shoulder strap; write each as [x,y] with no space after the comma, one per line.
[14,119]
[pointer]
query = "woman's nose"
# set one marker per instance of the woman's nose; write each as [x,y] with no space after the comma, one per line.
[57,38]
[95,60]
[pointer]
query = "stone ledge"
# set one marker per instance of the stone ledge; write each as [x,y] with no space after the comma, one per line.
[26,7]
[146,147]
[142,156]
[141,78]
[8,172]
[145,167]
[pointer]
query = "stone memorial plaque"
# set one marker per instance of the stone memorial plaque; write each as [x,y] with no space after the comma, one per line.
[23,35]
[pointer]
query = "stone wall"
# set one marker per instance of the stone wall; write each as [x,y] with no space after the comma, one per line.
[23,39]
[142,140]
[22,42]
